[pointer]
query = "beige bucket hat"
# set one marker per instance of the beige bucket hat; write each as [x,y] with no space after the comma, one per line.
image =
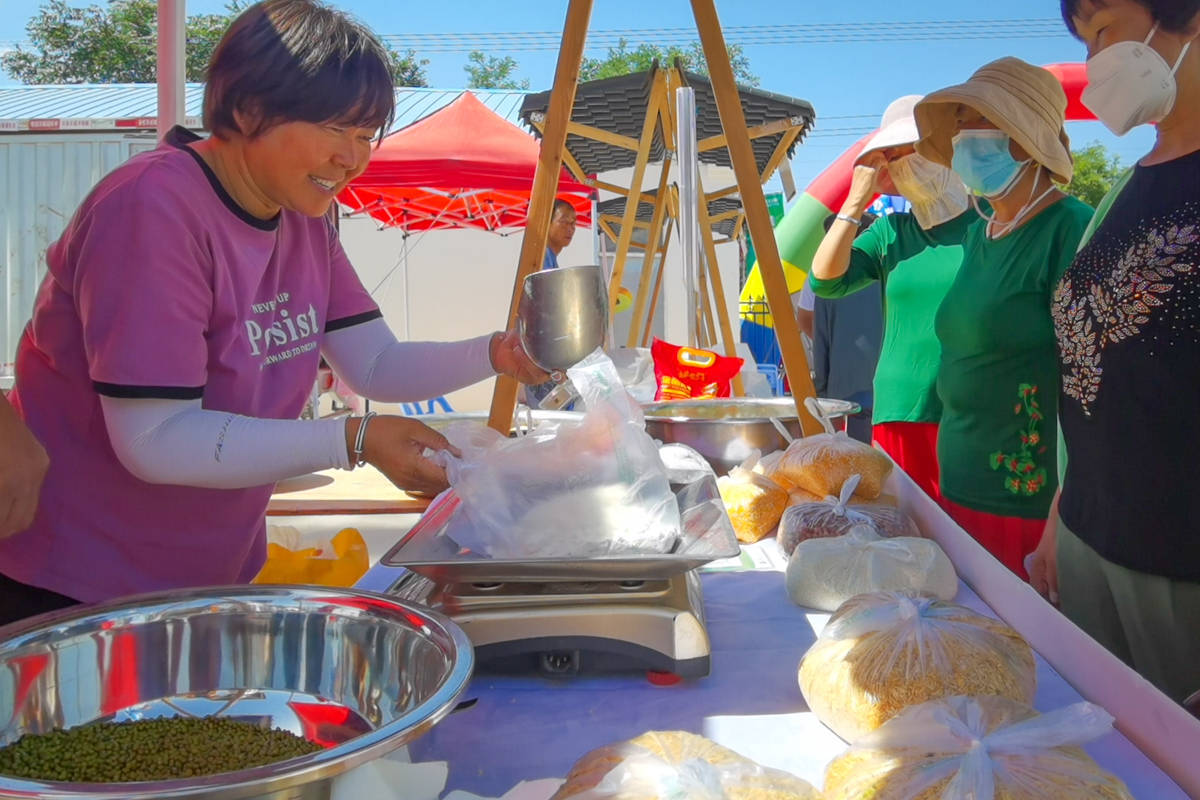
[1024,101]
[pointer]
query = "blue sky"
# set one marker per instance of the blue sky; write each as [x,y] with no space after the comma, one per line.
[841,79]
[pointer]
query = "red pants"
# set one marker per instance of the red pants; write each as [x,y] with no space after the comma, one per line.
[912,445]
[1009,539]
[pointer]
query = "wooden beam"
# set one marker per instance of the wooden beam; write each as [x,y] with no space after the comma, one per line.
[718,292]
[719,193]
[657,291]
[593,133]
[649,124]
[656,225]
[623,191]
[545,183]
[708,339]
[606,226]
[778,155]
[724,215]
[757,132]
[733,121]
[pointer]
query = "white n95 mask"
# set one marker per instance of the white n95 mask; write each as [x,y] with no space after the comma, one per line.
[1129,84]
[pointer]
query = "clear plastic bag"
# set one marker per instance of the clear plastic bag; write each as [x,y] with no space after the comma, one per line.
[824,573]
[835,516]
[567,489]
[978,747]
[668,765]
[754,502]
[683,464]
[883,652]
[823,463]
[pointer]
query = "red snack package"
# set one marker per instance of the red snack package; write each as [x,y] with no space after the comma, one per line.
[684,373]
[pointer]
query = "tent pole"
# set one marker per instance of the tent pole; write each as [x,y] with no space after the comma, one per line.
[172,23]
[758,219]
[545,182]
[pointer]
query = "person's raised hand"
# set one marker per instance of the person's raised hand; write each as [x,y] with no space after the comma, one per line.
[23,465]
[396,447]
[864,184]
[509,358]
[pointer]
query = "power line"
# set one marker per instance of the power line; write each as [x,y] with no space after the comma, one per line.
[746,35]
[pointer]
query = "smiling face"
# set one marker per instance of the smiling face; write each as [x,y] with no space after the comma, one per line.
[301,166]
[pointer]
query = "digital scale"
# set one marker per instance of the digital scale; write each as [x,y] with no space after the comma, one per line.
[558,617]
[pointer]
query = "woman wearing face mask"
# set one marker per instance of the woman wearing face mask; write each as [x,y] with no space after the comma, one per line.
[915,256]
[1122,552]
[1002,132]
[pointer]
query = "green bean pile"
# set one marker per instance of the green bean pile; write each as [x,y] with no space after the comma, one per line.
[149,750]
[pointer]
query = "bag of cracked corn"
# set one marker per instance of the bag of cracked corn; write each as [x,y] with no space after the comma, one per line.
[823,463]
[664,765]
[834,516]
[883,652]
[824,573]
[754,502]
[987,748]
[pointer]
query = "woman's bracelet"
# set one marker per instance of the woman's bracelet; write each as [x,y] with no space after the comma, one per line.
[360,440]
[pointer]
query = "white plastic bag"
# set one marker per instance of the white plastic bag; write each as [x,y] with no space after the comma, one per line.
[881,653]
[978,747]
[683,464]
[834,516]
[676,765]
[824,573]
[567,489]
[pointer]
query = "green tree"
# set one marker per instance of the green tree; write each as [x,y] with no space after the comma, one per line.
[492,72]
[622,60]
[1096,170]
[116,43]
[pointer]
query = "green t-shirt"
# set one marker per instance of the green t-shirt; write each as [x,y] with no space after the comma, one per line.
[999,375]
[916,267]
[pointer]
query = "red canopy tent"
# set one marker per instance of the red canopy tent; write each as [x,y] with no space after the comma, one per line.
[463,166]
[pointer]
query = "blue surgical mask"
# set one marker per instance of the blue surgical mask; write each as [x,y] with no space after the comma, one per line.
[982,160]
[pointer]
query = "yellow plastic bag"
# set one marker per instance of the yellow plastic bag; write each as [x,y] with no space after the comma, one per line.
[292,559]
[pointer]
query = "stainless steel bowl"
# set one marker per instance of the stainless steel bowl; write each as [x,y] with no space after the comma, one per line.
[359,672]
[563,315]
[726,431]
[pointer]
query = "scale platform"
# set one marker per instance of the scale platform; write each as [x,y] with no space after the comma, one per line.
[560,617]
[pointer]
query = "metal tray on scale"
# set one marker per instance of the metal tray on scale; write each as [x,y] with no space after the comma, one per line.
[706,535]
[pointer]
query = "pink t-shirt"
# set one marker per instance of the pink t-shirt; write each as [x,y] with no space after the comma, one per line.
[163,287]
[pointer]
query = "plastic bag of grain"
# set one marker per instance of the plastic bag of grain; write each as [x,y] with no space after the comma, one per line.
[834,516]
[665,765]
[754,502]
[989,748]
[883,652]
[824,573]
[823,463]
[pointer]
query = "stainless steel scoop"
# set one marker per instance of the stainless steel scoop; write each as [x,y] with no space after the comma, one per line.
[563,315]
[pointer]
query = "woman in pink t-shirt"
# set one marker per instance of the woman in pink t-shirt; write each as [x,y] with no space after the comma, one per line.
[177,335]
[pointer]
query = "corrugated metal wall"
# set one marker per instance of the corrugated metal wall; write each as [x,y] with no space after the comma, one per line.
[43,178]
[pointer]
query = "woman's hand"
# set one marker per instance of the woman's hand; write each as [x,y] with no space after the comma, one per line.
[396,445]
[1043,562]
[23,465]
[509,358]
[864,185]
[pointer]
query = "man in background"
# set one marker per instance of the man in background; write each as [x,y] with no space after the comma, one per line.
[562,230]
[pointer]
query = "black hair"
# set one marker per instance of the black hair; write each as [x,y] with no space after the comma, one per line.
[1171,15]
[561,205]
[298,61]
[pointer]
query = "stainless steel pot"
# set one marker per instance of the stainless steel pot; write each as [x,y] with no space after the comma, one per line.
[726,431]
[280,655]
[563,315]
